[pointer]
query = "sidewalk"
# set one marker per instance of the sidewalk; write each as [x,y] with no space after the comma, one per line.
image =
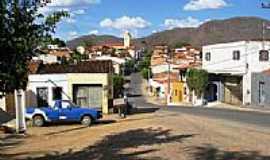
[240,108]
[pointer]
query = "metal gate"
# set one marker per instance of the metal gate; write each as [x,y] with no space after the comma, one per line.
[233,90]
[88,96]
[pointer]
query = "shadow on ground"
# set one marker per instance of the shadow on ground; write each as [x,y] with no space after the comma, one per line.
[144,110]
[209,152]
[9,141]
[124,145]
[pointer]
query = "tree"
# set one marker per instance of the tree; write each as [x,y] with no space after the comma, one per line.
[118,83]
[23,30]
[181,44]
[197,81]
[146,73]
[59,42]
[129,67]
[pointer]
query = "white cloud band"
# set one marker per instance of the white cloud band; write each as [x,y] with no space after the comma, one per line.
[195,5]
[125,22]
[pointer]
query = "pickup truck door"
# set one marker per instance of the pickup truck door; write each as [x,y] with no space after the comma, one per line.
[52,113]
[67,112]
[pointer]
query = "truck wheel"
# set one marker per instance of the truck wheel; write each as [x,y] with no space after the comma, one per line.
[86,120]
[38,121]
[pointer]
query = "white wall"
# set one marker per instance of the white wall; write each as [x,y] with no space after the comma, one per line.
[162,68]
[221,58]
[38,81]
[3,103]
[222,61]
[46,58]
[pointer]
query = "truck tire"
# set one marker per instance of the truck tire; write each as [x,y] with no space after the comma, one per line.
[86,121]
[38,121]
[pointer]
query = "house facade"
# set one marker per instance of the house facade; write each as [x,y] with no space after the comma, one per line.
[231,67]
[88,84]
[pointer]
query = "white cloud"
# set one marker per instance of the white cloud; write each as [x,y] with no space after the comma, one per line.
[125,23]
[69,3]
[195,5]
[79,12]
[182,23]
[72,34]
[154,31]
[94,32]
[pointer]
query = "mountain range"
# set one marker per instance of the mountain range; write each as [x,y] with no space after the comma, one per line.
[214,31]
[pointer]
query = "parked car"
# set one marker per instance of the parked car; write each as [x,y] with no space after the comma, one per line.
[62,111]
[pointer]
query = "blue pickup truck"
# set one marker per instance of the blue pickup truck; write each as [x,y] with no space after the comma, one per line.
[62,111]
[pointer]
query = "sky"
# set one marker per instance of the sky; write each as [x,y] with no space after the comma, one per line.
[144,17]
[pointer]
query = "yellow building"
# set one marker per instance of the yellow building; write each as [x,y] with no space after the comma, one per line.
[178,92]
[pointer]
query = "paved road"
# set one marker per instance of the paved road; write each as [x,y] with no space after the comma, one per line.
[246,117]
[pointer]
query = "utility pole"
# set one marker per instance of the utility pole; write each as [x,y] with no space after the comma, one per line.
[263,35]
[169,77]
[264,6]
[20,111]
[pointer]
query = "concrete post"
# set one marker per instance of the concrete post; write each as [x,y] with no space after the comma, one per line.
[20,111]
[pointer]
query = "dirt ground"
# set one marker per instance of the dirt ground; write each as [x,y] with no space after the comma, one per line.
[159,135]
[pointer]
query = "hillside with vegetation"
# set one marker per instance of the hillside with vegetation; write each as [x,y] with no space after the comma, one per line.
[215,31]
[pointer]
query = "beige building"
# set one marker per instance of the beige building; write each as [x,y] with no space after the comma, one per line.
[87,84]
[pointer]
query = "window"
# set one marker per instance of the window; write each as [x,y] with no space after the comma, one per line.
[42,97]
[263,55]
[57,93]
[208,56]
[236,55]
[59,58]
[67,104]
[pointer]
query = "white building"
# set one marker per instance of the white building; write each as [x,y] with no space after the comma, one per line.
[117,62]
[231,66]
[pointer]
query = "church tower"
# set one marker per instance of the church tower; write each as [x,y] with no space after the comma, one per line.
[127,39]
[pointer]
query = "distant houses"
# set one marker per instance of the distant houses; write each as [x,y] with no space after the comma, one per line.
[169,67]
[238,72]
[123,49]
[53,54]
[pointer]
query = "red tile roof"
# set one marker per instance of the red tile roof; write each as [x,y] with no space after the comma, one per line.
[95,66]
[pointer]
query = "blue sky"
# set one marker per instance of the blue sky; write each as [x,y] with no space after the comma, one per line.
[144,17]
